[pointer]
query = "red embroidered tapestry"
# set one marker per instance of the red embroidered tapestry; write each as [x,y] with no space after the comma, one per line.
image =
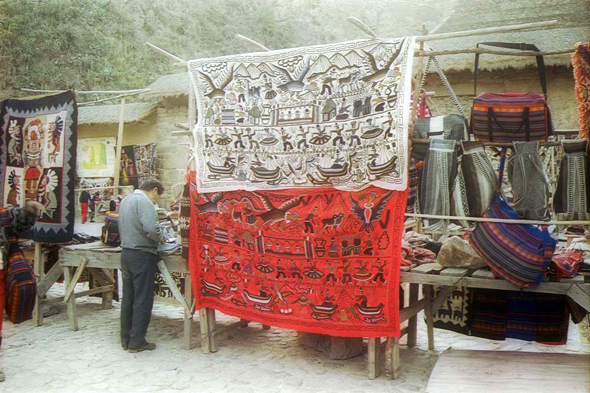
[315,260]
[581,63]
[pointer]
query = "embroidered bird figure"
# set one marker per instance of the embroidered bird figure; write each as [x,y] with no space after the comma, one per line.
[377,74]
[211,205]
[370,212]
[279,215]
[292,85]
[218,92]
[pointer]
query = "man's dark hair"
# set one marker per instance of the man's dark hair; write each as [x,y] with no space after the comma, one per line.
[150,184]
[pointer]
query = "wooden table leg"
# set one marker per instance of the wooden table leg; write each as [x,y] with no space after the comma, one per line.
[429,317]
[71,302]
[244,323]
[211,325]
[265,327]
[38,269]
[374,357]
[413,321]
[107,297]
[188,315]
[204,324]
[392,349]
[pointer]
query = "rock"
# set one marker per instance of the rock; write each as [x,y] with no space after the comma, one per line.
[456,252]
[337,348]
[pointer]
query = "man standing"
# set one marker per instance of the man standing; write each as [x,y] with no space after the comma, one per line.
[140,236]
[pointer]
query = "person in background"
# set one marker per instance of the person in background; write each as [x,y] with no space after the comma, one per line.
[92,205]
[13,221]
[84,200]
[140,236]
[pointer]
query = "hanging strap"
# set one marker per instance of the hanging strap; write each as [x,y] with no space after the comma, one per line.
[525,122]
[445,81]
[522,47]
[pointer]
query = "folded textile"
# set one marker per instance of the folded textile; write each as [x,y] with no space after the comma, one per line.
[318,260]
[581,65]
[323,116]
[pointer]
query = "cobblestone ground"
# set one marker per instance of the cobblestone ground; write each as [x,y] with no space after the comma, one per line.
[51,358]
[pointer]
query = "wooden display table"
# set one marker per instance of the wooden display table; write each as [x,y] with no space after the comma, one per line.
[100,260]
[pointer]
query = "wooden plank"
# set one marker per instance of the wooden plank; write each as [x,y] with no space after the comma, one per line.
[107,297]
[410,311]
[72,285]
[428,268]
[577,294]
[188,314]
[429,318]
[204,324]
[393,349]
[509,372]
[71,302]
[38,269]
[49,279]
[413,320]
[172,285]
[374,346]
[444,293]
[104,289]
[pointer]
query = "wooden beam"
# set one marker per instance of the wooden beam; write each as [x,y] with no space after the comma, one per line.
[72,284]
[39,269]
[373,357]
[252,42]
[413,320]
[429,317]
[71,302]
[188,314]
[487,30]
[173,287]
[119,143]
[410,311]
[49,279]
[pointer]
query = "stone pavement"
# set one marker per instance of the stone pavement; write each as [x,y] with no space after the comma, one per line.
[51,358]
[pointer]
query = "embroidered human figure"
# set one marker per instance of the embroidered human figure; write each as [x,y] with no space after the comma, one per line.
[295,272]
[252,142]
[379,275]
[280,271]
[309,220]
[238,262]
[301,136]
[338,139]
[346,276]
[331,268]
[287,145]
[248,266]
[238,133]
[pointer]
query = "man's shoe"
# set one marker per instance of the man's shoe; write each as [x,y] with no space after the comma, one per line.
[125,345]
[2,377]
[145,347]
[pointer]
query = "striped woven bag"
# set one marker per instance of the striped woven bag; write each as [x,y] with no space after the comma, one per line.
[519,253]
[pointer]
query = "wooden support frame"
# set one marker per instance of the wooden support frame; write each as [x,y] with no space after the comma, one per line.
[38,269]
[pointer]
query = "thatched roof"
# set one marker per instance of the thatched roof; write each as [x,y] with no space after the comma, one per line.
[169,86]
[109,114]
[573,26]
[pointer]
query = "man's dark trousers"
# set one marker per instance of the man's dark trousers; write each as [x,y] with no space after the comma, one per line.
[138,269]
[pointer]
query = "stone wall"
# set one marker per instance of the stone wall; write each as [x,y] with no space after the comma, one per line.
[172,151]
[560,90]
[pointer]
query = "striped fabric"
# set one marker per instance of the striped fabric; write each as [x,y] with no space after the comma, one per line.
[519,253]
[21,288]
[503,117]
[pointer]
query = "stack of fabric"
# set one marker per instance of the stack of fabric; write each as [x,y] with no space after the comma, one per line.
[298,201]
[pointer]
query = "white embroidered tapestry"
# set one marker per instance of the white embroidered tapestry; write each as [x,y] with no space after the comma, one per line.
[322,116]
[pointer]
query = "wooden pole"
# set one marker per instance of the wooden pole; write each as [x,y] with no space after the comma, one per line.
[252,42]
[119,143]
[89,91]
[488,30]
[490,144]
[100,188]
[39,270]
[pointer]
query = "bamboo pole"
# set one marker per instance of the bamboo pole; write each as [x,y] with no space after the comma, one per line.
[421,53]
[490,144]
[252,42]
[498,220]
[89,91]
[119,143]
[363,27]
[487,30]
[165,53]
[88,103]
[100,188]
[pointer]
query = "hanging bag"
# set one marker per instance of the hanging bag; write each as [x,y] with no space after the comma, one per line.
[449,127]
[511,117]
[519,253]
[110,230]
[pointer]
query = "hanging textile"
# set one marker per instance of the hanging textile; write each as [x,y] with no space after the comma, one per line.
[481,180]
[572,195]
[581,64]
[38,157]
[454,313]
[323,116]
[138,163]
[320,260]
